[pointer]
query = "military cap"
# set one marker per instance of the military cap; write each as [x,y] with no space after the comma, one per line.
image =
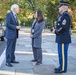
[63,2]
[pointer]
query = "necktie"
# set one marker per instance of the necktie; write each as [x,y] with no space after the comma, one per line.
[16,18]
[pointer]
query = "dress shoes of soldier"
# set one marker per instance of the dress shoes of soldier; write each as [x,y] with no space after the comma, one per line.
[58,71]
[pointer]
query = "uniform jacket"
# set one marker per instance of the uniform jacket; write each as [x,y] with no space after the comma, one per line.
[37,35]
[62,30]
[11,23]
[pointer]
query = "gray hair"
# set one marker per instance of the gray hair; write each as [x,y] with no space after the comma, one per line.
[14,6]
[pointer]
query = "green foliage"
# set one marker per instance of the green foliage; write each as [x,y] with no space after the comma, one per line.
[28,7]
[73,31]
[29,22]
[52,10]
[73,16]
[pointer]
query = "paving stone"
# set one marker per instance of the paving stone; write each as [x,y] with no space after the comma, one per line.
[7,72]
[24,55]
[44,70]
[69,73]
[23,64]
[24,72]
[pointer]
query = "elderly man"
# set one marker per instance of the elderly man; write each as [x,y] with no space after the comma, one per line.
[12,28]
[63,37]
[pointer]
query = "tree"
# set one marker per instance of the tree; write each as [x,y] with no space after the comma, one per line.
[28,7]
[52,11]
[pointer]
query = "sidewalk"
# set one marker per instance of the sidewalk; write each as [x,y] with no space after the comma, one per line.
[50,57]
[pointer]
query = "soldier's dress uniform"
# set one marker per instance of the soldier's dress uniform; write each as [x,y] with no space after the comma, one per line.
[63,38]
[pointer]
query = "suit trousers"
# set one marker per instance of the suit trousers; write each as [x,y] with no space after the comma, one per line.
[10,50]
[37,53]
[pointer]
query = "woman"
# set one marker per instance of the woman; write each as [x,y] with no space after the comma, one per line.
[36,35]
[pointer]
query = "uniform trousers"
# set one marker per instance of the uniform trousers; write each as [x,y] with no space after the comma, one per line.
[62,54]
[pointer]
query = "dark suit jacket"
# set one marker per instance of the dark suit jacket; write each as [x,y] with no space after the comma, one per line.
[11,23]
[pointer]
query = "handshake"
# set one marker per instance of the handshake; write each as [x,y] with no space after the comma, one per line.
[18,27]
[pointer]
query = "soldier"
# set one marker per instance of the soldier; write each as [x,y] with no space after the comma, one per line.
[63,37]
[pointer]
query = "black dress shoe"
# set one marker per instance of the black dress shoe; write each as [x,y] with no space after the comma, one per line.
[33,60]
[56,68]
[58,71]
[14,62]
[64,71]
[9,65]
